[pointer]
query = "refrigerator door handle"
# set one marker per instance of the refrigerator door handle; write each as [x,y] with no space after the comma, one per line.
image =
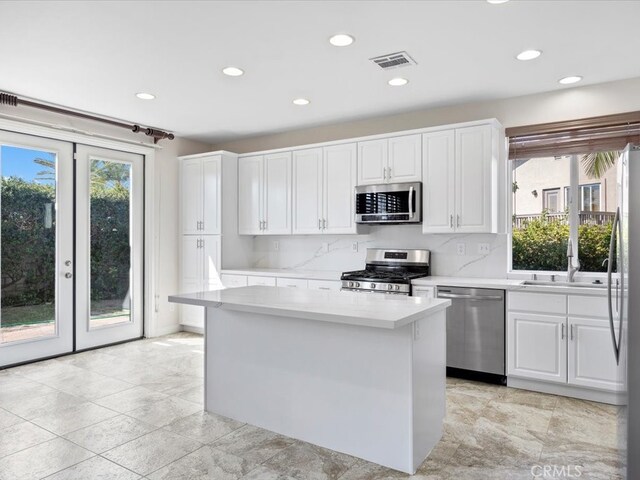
[612,246]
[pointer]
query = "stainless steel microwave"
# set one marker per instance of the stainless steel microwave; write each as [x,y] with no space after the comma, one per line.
[389,203]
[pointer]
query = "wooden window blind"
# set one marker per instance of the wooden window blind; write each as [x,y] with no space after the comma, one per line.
[595,134]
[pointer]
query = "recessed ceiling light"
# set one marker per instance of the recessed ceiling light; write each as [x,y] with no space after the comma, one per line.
[233,71]
[528,54]
[398,82]
[497,2]
[570,79]
[341,40]
[145,96]
[301,101]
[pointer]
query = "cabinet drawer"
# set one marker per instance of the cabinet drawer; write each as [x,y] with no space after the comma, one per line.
[231,281]
[325,285]
[425,292]
[537,302]
[267,281]
[291,282]
[584,306]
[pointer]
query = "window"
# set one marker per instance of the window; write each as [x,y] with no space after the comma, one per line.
[590,198]
[551,200]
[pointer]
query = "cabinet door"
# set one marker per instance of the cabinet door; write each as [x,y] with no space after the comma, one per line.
[210,246]
[232,281]
[405,159]
[438,182]
[372,162]
[474,194]
[591,359]
[190,282]
[250,186]
[191,195]
[537,347]
[292,282]
[277,194]
[307,191]
[424,292]
[211,195]
[332,285]
[339,174]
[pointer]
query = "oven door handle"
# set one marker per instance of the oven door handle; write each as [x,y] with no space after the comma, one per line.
[410,202]
[470,297]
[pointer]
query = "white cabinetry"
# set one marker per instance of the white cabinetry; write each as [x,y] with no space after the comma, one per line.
[201,195]
[323,185]
[230,280]
[264,194]
[423,291]
[292,282]
[200,265]
[332,285]
[263,281]
[460,180]
[395,159]
[564,339]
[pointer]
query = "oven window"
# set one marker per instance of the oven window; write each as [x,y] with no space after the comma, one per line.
[384,202]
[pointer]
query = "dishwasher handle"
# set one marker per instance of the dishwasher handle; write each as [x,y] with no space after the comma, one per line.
[470,297]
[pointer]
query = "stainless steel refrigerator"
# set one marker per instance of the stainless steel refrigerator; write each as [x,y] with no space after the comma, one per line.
[624,300]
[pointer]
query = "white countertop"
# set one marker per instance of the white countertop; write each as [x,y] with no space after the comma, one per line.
[352,308]
[501,283]
[284,272]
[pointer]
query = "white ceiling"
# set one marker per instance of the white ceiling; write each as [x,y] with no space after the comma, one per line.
[95,56]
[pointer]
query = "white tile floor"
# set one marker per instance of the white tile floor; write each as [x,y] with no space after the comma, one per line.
[135,411]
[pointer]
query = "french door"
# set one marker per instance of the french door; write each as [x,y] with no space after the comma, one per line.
[71,236]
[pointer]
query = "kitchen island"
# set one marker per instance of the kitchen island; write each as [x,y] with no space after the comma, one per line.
[362,374]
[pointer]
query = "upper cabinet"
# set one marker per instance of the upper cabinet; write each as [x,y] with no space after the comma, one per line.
[323,185]
[200,181]
[264,194]
[390,160]
[460,180]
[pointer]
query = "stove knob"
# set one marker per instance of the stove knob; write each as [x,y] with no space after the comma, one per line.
[397,287]
[373,285]
[357,284]
[350,284]
[390,287]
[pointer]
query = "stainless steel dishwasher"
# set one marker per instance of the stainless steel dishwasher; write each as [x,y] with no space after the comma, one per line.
[475,333]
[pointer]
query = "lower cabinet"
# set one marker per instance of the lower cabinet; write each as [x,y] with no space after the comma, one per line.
[257,280]
[230,280]
[332,285]
[292,282]
[563,348]
[425,292]
[537,347]
[200,270]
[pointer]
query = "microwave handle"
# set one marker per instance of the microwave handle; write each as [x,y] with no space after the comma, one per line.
[410,202]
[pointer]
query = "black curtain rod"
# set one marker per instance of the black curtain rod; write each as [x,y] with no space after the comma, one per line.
[14,101]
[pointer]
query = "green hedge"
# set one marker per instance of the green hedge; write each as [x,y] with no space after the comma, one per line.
[27,249]
[542,245]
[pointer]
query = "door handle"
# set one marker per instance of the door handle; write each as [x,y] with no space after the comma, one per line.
[388,173]
[458,221]
[571,332]
[410,202]
[319,224]
[384,173]
[451,220]
[612,245]
[562,333]
[324,223]
[470,297]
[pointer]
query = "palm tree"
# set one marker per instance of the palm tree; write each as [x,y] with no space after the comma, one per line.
[596,164]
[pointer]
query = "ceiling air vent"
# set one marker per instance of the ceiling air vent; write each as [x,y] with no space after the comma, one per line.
[393,60]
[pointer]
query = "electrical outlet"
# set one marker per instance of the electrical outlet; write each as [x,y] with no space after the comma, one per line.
[325,247]
[276,245]
[484,249]
[354,247]
[461,249]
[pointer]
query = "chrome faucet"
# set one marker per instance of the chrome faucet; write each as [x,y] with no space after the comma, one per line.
[571,270]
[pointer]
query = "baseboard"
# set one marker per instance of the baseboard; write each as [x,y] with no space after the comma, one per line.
[189,328]
[612,398]
[166,330]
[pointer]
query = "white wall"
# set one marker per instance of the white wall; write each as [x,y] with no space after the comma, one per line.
[166,208]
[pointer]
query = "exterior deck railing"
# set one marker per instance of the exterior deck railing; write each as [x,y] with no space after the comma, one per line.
[594,218]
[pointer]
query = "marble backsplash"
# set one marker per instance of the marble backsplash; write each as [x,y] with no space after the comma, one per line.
[309,251]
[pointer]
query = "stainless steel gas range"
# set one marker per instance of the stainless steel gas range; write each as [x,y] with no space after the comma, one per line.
[388,271]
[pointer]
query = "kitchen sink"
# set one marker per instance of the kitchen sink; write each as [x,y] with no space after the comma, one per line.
[547,283]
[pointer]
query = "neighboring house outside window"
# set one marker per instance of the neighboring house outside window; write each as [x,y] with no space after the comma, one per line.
[590,198]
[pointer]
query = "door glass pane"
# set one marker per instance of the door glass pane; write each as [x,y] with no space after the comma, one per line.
[27,244]
[110,242]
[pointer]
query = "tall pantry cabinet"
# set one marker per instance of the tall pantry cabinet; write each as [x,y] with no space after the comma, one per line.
[207,181]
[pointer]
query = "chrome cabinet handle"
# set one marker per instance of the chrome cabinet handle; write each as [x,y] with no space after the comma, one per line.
[571,332]
[324,288]
[324,223]
[562,333]
[389,173]
[265,225]
[457,220]
[470,297]
[451,220]
[384,173]
[319,224]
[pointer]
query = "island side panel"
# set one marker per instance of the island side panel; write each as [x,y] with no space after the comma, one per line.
[343,387]
[429,384]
